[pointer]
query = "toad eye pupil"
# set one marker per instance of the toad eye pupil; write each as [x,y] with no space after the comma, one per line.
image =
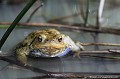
[59,39]
[40,39]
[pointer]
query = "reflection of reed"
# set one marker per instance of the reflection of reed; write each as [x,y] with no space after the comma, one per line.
[15,2]
[82,9]
[29,67]
[64,17]
[30,17]
[47,74]
[98,22]
[83,14]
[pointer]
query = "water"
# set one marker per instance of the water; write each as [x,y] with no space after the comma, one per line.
[65,64]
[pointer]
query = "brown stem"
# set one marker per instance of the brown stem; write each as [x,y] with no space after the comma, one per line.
[91,28]
[79,75]
[100,44]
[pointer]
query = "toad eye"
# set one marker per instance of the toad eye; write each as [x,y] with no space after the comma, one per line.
[60,39]
[40,39]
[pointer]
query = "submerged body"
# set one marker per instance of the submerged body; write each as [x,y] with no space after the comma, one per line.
[46,43]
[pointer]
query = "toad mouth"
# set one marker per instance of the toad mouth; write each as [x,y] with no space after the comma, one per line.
[39,53]
[58,54]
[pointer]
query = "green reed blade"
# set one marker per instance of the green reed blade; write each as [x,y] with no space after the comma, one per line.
[87,13]
[18,18]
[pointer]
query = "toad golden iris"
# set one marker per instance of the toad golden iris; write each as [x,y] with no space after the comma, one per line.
[46,43]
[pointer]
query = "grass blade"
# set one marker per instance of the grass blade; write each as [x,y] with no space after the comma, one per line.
[18,18]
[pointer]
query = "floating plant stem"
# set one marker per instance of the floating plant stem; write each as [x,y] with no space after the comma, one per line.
[4,26]
[106,57]
[18,18]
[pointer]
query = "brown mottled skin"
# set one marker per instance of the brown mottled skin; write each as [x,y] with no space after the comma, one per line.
[49,42]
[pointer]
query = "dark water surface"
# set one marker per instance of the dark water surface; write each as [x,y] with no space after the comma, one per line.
[65,64]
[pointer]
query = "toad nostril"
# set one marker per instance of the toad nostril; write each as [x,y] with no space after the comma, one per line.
[47,40]
[52,41]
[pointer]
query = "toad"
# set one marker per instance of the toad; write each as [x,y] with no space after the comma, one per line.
[46,43]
